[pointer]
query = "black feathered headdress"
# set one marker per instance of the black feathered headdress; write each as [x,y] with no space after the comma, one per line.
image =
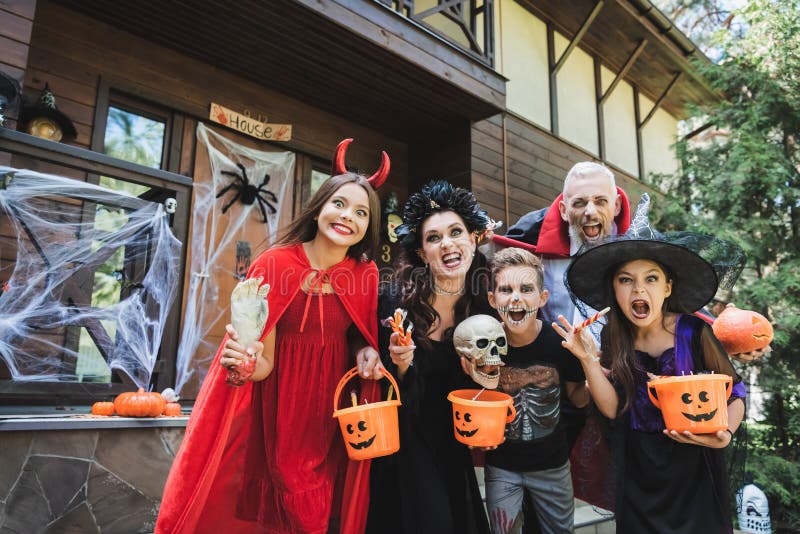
[437,196]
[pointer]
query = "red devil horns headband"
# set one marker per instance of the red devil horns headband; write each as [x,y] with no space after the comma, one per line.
[376,180]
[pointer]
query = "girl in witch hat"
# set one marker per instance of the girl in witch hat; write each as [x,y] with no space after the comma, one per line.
[665,481]
[261,451]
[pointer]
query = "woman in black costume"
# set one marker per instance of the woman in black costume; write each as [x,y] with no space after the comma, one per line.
[429,486]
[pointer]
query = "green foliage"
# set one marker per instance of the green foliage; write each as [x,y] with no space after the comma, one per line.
[740,180]
[778,477]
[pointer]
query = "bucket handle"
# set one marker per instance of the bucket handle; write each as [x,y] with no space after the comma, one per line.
[651,392]
[353,373]
[512,411]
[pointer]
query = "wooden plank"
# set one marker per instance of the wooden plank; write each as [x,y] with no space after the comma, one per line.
[489,156]
[489,127]
[625,68]
[56,62]
[14,52]
[61,87]
[578,36]
[23,8]
[15,27]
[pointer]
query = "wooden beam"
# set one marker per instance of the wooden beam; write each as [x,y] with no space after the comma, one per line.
[601,127]
[578,36]
[551,61]
[639,150]
[660,100]
[625,68]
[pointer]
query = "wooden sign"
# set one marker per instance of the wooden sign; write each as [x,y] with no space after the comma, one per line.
[248,125]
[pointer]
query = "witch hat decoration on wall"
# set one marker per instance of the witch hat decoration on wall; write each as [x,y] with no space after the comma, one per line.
[9,94]
[45,120]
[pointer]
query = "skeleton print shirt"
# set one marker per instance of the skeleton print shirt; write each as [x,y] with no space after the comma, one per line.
[535,376]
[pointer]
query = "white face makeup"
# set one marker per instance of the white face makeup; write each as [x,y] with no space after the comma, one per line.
[517,296]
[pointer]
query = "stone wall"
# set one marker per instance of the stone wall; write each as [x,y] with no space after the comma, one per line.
[84,481]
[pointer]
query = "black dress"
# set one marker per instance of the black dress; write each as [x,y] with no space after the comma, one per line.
[663,485]
[429,486]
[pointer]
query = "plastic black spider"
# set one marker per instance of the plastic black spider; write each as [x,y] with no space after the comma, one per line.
[247,193]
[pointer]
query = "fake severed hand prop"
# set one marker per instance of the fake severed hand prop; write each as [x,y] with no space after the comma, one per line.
[249,312]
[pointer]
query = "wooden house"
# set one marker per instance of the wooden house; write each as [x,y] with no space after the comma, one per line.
[500,96]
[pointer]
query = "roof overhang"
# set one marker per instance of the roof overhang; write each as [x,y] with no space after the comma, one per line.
[354,58]
[614,35]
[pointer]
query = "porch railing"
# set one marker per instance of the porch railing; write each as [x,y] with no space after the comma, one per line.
[468,24]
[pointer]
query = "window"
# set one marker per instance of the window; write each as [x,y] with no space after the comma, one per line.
[95,248]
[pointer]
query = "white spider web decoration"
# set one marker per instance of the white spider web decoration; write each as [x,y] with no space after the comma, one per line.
[214,236]
[72,241]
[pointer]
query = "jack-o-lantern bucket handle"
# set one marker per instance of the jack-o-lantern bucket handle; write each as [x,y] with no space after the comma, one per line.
[651,392]
[352,373]
[512,412]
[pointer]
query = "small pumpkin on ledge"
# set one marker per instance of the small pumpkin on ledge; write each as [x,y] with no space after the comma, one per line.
[139,404]
[172,409]
[103,408]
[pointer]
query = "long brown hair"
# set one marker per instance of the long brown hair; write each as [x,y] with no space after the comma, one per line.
[304,227]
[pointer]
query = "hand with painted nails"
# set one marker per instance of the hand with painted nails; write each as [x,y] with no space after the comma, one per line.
[402,355]
[243,362]
[368,362]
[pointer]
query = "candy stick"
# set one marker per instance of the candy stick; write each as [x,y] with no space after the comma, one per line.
[592,319]
[391,391]
[353,398]
[396,324]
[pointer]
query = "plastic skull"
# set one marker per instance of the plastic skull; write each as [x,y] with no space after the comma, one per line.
[170,205]
[753,510]
[482,341]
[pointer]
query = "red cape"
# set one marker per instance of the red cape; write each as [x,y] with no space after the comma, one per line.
[204,484]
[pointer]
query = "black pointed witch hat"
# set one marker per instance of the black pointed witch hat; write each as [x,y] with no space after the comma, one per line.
[698,264]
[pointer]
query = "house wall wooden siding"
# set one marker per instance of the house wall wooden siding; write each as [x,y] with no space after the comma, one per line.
[535,163]
[74,53]
[16,23]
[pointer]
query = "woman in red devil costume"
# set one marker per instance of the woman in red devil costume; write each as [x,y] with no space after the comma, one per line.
[267,456]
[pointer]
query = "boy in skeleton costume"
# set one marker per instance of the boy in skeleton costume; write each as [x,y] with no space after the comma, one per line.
[535,456]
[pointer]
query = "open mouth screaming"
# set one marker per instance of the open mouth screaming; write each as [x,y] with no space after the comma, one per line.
[452,260]
[516,314]
[640,309]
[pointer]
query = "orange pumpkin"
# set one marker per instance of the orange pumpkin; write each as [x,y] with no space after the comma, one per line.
[742,330]
[172,409]
[103,408]
[139,404]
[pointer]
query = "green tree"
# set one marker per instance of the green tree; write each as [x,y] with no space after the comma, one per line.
[740,179]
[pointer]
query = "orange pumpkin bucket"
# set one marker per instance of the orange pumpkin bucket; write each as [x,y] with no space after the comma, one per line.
[369,430]
[480,416]
[697,403]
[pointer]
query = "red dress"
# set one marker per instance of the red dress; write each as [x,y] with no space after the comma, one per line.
[234,453]
[305,456]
